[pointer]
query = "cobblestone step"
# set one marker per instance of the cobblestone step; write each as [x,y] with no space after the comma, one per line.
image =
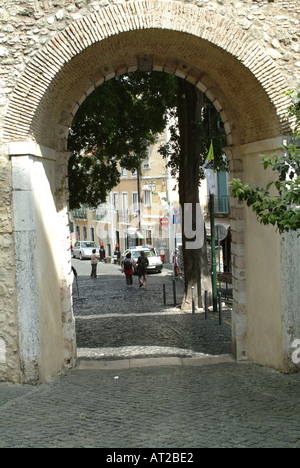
[155,362]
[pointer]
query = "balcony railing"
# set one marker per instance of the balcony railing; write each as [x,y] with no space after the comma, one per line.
[101,214]
[222,205]
[79,214]
[123,217]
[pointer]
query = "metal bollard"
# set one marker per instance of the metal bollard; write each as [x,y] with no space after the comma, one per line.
[174,293]
[220,309]
[206,305]
[164,293]
[193,299]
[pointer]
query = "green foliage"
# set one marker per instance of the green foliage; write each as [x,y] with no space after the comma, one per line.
[294,109]
[219,140]
[116,123]
[91,179]
[171,150]
[281,208]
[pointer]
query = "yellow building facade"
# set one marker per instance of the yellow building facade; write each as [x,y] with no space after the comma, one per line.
[138,211]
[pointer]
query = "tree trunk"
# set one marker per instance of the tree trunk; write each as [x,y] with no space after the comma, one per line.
[196,270]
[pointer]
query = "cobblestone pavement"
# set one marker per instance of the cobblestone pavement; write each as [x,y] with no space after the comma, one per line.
[115,321]
[226,405]
[167,407]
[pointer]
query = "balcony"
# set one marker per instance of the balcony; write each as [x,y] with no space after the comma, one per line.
[222,206]
[101,214]
[123,217]
[79,214]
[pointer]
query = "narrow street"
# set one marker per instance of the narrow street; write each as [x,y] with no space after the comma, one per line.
[113,321]
[157,406]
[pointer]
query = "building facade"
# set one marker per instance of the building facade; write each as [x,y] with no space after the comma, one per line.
[124,221]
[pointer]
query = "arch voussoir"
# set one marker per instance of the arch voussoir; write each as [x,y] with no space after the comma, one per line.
[135,16]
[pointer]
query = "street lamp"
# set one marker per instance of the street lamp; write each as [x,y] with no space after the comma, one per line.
[152,186]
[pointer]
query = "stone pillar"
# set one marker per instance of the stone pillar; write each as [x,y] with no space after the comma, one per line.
[26,268]
[290,300]
[272,286]
[9,335]
[45,319]
[237,223]
[63,239]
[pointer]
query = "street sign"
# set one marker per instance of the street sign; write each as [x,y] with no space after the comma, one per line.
[176,219]
[164,221]
[221,232]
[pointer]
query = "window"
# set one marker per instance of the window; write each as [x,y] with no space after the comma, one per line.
[78,233]
[134,173]
[147,196]
[92,231]
[148,238]
[88,245]
[125,201]
[146,163]
[123,173]
[85,236]
[135,204]
[116,201]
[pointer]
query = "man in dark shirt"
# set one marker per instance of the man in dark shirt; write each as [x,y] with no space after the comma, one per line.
[142,264]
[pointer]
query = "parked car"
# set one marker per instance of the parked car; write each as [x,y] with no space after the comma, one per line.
[84,249]
[155,263]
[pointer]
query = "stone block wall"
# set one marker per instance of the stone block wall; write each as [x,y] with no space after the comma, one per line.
[25,28]
[9,364]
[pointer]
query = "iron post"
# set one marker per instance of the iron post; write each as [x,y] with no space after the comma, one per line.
[174,292]
[213,253]
[220,309]
[206,305]
[193,299]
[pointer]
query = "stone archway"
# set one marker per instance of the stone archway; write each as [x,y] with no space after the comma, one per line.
[184,25]
[200,46]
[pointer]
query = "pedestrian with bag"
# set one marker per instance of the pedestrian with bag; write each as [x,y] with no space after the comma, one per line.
[142,264]
[128,269]
[94,263]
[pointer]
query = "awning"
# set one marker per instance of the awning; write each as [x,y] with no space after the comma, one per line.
[133,232]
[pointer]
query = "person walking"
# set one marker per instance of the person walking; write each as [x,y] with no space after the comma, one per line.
[94,263]
[128,269]
[142,263]
[102,252]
